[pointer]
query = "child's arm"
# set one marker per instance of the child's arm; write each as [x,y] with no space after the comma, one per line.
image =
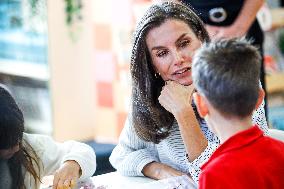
[67,174]
[67,156]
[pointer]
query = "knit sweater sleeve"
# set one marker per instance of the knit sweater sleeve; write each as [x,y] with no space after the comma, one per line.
[132,153]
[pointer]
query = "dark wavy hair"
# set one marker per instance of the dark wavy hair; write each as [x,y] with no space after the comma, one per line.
[11,134]
[150,120]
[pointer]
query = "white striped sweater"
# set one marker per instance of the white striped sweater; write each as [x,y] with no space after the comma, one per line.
[132,154]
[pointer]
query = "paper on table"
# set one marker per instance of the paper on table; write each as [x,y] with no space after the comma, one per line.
[180,182]
[116,181]
[87,184]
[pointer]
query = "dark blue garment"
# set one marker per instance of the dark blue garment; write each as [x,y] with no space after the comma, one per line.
[232,8]
[202,8]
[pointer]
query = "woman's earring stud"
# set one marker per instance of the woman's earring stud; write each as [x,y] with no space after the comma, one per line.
[157,75]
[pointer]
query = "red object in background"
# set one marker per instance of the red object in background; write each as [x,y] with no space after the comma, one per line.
[270,65]
[104,94]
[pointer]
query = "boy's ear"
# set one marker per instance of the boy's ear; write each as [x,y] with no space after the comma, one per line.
[200,104]
[261,95]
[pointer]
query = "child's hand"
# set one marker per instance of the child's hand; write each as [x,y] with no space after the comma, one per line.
[67,175]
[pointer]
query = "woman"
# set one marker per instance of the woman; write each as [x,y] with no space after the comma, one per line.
[164,136]
[26,158]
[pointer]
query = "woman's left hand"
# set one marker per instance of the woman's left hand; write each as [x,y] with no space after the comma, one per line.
[67,175]
[176,97]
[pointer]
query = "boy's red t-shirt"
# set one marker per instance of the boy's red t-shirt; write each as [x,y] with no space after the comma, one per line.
[246,160]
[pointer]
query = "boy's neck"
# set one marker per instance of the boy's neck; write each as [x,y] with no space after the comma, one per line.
[227,127]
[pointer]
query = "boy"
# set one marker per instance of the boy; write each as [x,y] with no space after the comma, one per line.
[226,77]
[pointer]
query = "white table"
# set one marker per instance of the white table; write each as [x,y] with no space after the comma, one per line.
[115,181]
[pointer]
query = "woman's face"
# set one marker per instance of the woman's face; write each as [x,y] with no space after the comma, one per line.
[8,153]
[171,46]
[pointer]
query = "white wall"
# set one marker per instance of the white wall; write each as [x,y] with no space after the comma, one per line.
[71,73]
